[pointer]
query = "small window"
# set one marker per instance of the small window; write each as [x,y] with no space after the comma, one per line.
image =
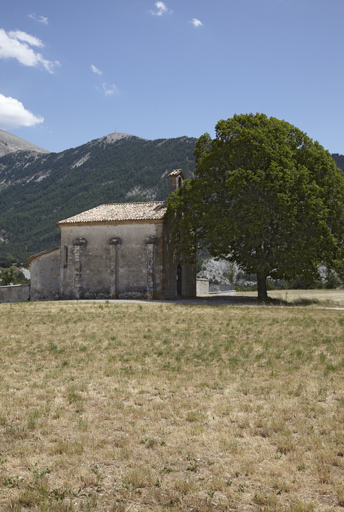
[65,256]
[179,280]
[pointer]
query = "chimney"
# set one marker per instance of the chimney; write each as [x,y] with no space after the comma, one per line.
[176,179]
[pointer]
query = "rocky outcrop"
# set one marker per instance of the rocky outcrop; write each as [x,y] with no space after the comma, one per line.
[10,143]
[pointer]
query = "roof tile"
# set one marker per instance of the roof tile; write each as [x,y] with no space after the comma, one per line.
[152,210]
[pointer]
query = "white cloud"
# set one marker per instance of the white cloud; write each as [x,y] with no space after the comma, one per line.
[13,114]
[39,19]
[96,70]
[26,38]
[161,9]
[16,45]
[109,89]
[196,22]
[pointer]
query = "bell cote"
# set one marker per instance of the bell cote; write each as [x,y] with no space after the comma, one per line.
[176,179]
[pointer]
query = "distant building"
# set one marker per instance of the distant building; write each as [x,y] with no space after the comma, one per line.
[114,251]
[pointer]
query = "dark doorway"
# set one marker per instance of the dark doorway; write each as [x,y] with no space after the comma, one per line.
[179,280]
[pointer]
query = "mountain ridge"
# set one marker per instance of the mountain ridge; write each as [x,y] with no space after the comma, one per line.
[10,143]
[39,189]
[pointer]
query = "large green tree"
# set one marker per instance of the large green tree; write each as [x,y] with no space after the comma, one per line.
[265,196]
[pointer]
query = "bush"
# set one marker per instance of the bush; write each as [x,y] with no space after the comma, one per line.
[332,281]
[12,275]
[8,277]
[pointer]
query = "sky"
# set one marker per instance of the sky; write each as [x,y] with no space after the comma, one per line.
[73,71]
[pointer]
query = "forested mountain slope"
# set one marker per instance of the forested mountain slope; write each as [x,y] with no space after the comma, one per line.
[38,190]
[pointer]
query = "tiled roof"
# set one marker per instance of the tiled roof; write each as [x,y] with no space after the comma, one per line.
[152,210]
[176,172]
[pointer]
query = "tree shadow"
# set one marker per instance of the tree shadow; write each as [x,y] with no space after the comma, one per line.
[235,300]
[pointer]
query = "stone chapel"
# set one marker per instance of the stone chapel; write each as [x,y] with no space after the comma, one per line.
[114,251]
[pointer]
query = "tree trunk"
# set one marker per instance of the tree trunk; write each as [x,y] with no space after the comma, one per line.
[262,290]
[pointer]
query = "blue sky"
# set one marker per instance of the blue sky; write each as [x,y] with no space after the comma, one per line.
[73,71]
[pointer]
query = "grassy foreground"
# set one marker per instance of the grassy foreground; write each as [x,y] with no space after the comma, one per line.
[303,297]
[163,407]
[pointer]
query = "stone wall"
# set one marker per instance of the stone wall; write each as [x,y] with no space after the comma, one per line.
[202,286]
[177,284]
[114,260]
[15,293]
[45,273]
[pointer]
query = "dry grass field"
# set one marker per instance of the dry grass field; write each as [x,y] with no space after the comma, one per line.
[125,407]
[320,297]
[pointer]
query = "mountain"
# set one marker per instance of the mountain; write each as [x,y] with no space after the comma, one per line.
[10,143]
[39,189]
[339,160]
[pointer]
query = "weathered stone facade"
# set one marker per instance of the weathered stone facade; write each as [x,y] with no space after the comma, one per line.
[45,275]
[114,251]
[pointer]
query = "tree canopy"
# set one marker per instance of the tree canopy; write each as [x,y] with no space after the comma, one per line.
[265,196]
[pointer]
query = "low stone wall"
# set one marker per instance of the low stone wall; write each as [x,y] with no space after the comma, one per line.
[15,293]
[228,289]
